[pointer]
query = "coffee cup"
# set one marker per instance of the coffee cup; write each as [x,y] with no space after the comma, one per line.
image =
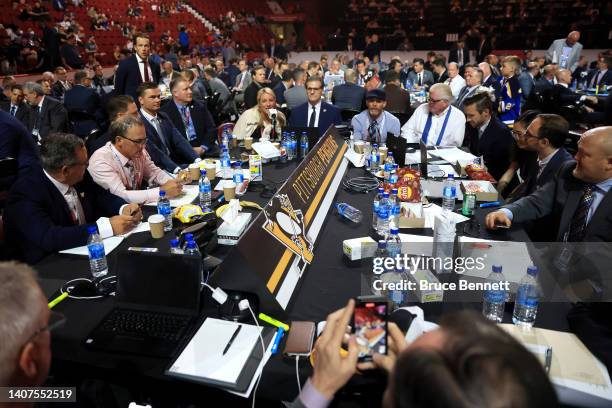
[248,143]
[383,153]
[229,190]
[211,170]
[156,224]
[358,146]
[194,171]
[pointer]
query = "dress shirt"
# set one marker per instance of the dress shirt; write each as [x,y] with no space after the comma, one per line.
[312,398]
[412,130]
[597,77]
[317,113]
[13,109]
[189,127]
[104,226]
[141,67]
[387,123]
[482,128]
[456,84]
[154,121]
[544,162]
[242,78]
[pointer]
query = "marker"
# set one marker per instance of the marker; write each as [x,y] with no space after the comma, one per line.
[58,299]
[277,339]
[273,322]
[489,205]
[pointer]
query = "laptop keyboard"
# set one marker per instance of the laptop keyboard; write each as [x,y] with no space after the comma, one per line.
[145,324]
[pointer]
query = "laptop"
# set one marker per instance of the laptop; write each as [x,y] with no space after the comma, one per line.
[398,146]
[312,132]
[156,301]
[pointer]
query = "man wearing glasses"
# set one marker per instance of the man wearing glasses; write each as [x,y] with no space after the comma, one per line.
[437,123]
[315,112]
[124,167]
[50,209]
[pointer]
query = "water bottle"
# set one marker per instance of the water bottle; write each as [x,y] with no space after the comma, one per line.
[408,85]
[394,243]
[375,204]
[175,247]
[349,212]
[449,193]
[527,299]
[495,299]
[304,145]
[389,164]
[226,169]
[163,208]
[397,296]
[393,177]
[225,142]
[395,208]
[293,147]
[374,158]
[97,256]
[384,213]
[191,248]
[238,177]
[204,188]
[284,148]
[188,237]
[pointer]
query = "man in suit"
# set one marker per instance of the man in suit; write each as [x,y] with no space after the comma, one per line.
[440,73]
[315,112]
[349,95]
[565,52]
[601,76]
[277,50]
[459,54]
[49,209]
[485,135]
[218,86]
[375,122]
[83,98]
[527,79]
[296,95]
[258,76]
[562,95]
[484,48]
[232,72]
[16,105]
[473,81]
[136,69]
[454,81]
[243,80]
[16,142]
[547,79]
[398,99]
[420,77]
[282,86]
[165,144]
[117,107]
[47,115]
[191,118]
[168,73]
[489,79]
[61,85]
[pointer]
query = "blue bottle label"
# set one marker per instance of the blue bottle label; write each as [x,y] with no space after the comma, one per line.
[495,296]
[525,297]
[164,210]
[96,251]
[383,212]
[204,188]
[450,191]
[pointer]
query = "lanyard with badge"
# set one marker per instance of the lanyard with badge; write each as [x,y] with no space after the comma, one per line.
[130,176]
[428,127]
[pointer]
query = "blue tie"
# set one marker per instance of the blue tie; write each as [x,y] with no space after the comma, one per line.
[13,110]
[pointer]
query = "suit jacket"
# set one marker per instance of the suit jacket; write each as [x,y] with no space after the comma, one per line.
[493,82]
[171,152]
[484,49]
[453,56]
[279,91]
[542,85]
[127,77]
[279,52]
[16,142]
[329,115]
[232,73]
[606,79]
[398,99]
[295,96]
[164,76]
[534,182]
[58,90]
[349,96]
[217,85]
[560,198]
[48,226]
[495,145]
[440,78]
[250,94]
[564,96]
[555,51]
[427,78]
[54,117]
[247,80]
[23,111]
[82,99]
[527,83]
[202,122]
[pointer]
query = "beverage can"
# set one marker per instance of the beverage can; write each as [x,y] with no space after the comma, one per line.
[469,202]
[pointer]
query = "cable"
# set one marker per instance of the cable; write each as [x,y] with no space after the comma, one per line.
[66,288]
[297,373]
[361,184]
[263,347]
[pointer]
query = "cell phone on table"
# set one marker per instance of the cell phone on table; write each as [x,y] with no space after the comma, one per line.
[369,324]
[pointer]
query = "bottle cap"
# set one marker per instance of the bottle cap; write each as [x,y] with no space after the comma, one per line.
[394,231]
[382,243]
[188,237]
[532,270]
[381,190]
[191,244]
[390,154]
[162,193]
[92,229]
[237,164]
[386,194]
[174,243]
[203,172]
[451,176]
[394,190]
[375,145]
[497,268]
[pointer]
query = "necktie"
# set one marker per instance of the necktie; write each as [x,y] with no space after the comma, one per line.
[373,131]
[242,76]
[13,110]
[76,209]
[420,79]
[595,80]
[146,71]
[579,221]
[38,122]
[313,117]
[462,94]
[158,129]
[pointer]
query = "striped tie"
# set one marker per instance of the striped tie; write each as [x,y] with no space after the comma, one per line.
[579,221]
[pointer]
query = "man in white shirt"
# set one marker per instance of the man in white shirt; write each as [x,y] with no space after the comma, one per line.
[437,123]
[455,81]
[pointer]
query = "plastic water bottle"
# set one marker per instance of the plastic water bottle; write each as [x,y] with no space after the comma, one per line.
[384,214]
[397,296]
[389,164]
[163,208]
[175,247]
[349,212]
[97,256]
[204,188]
[495,299]
[192,248]
[303,145]
[284,148]
[449,193]
[408,85]
[374,158]
[238,177]
[188,237]
[394,243]
[226,139]
[395,208]
[293,148]
[527,299]
[226,169]
[375,204]
[393,177]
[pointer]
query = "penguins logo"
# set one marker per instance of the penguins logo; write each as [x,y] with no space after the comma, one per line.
[287,226]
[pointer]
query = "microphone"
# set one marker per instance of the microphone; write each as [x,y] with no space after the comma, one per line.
[272,113]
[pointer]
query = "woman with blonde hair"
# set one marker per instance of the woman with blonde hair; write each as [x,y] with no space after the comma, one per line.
[257,121]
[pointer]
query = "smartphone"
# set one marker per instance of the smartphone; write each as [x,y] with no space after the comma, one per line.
[369,324]
[301,337]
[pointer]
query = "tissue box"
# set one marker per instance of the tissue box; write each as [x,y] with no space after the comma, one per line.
[484,190]
[426,295]
[228,234]
[417,220]
[359,248]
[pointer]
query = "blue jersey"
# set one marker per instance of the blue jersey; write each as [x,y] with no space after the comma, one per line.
[509,99]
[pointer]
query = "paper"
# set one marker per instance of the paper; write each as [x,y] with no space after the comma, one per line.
[266,149]
[142,227]
[452,155]
[430,211]
[230,215]
[415,157]
[203,357]
[497,253]
[440,170]
[110,244]
[357,159]
[262,364]
[190,193]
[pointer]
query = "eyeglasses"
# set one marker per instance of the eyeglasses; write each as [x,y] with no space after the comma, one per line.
[313,89]
[140,142]
[436,100]
[56,320]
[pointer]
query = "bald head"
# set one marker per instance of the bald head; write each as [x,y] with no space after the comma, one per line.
[549,71]
[564,76]
[602,136]
[594,157]
[573,37]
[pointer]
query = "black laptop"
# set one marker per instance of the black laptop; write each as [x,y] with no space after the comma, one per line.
[398,146]
[157,300]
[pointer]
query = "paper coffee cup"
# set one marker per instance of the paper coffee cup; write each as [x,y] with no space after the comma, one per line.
[194,171]
[229,190]
[211,171]
[383,153]
[156,224]
[248,143]
[359,147]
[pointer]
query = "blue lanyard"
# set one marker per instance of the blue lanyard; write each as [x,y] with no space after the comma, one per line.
[428,126]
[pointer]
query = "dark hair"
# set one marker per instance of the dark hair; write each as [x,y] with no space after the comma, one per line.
[419,60]
[527,117]
[118,104]
[211,72]
[314,78]
[554,128]
[298,74]
[141,35]
[478,365]
[79,76]
[120,126]
[391,76]
[393,63]
[312,64]
[257,68]
[58,150]
[481,100]
[359,61]
[16,86]
[287,75]
[439,62]
[145,86]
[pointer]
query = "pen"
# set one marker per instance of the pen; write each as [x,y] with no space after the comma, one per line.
[489,205]
[273,322]
[231,340]
[548,359]
[221,198]
[58,299]
[277,339]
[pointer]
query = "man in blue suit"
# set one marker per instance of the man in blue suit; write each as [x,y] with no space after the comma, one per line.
[349,95]
[18,143]
[315,112]
[136,69]
[167,147]
[51,208]
[83,98]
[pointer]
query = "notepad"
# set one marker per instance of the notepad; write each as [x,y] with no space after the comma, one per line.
[190,192]
[110,244]
[452,155]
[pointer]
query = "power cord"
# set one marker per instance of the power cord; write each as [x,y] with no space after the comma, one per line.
[69,286]
[297,373]
[361,184]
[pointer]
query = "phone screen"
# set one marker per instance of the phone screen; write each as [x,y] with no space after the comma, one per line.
[370,328]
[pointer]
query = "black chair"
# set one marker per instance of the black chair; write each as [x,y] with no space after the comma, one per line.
[82,123]
[347,114]
[403,117]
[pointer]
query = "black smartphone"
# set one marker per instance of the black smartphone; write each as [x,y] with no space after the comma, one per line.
[369,325]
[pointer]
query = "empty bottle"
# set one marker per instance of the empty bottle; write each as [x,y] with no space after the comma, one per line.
[394,243]
[527,299]
[395,208]
[204,188]
[225,141]
[303,145]
[384,214]
[163,208]
[449,193]
[374,158]
[495,299]
[388,167]
[175,248]
[375,204]
[349,212]
[97,256]
[226,166]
